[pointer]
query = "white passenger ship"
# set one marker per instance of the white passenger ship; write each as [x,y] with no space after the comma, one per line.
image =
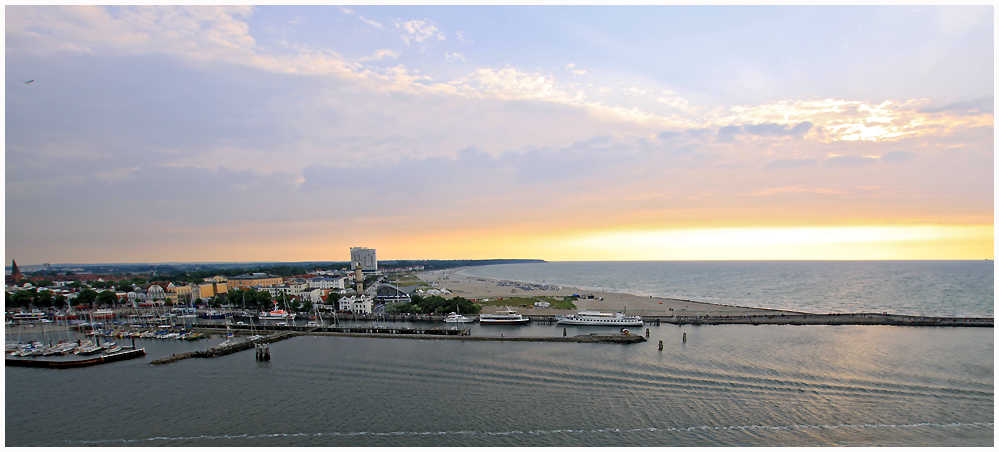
[507,317]
[600,319]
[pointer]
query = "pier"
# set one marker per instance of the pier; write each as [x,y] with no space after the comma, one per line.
[120,356]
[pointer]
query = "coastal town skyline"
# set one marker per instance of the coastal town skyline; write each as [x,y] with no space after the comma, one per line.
[240,134]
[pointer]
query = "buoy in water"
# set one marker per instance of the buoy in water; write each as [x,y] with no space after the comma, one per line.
[646,332]
[660,345]
[685,337]
[563,331]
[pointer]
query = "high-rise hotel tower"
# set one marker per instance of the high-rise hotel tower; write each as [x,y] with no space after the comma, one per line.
[365,257]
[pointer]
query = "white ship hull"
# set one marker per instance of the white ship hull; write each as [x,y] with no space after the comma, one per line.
[594,318]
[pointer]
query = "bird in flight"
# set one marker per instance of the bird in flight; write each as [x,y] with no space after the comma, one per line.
[27,82]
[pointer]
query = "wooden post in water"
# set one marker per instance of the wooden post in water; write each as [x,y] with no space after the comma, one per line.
[685,337]
[660,345]
[563,331]
[646,333]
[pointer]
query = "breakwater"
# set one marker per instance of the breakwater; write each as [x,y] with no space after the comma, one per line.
[226,349]
[774,318]
[826,319]
[396,333]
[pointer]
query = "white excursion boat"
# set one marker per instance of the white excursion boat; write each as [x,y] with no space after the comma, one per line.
[600,319]
[102,314]
[454,317]
[505,317]
[33,315]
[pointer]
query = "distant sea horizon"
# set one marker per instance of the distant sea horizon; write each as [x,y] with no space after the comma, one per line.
[347,261]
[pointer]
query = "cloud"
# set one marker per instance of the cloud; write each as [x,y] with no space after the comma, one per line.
[380,55]
[202,32]
[351,12]
[782,190]
[778,130]
[898,157]
[420,31]
[454,57]
[964,107]
[850,161]
[766,130]
[791,164]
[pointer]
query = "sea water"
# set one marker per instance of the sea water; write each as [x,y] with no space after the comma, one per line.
[921,288]
[732,385]
[721,385]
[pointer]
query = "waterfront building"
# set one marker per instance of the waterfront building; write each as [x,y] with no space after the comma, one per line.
[254,279]
[156,292]
[326,283]
[365,257]
[389,293]
[299,290]
[359,304]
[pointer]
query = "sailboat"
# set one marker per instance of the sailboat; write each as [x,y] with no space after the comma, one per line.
[253,333]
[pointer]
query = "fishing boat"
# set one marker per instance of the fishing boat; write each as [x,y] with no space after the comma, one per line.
[277,314]
[598,318]
[504,317]
[213,314]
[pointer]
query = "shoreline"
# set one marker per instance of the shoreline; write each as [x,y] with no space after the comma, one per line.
[481,287]
[681,311]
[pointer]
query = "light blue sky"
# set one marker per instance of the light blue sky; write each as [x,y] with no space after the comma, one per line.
[292,133]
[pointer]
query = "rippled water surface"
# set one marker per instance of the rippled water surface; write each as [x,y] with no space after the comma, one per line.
[936,288]
[733,385]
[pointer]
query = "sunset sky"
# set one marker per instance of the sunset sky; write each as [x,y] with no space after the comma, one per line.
[182,134]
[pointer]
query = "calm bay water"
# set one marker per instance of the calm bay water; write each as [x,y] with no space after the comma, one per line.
[726,385]
[936,288]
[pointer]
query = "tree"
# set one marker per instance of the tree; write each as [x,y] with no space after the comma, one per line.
[75,285]
[307,305]
[86,296]
[42,283]
[44,299]
[60,301]
[107,298]
[100,284]
[21,299]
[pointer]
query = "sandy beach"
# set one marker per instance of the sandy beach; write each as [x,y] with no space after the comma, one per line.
[475,287]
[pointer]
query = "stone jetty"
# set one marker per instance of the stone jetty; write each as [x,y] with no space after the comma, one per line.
[226,350]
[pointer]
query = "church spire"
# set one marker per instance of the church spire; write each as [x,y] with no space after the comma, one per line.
[15,273]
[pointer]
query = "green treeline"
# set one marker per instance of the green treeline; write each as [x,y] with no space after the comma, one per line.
[433,305]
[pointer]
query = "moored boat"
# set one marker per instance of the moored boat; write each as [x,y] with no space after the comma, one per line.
[503,317]
[33,315]
[277,314]
[454,317]
[597,318]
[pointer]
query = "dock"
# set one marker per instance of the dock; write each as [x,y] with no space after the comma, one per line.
[120,356]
